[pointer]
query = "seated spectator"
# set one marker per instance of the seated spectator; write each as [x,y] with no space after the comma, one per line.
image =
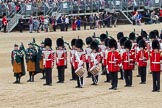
[154,17]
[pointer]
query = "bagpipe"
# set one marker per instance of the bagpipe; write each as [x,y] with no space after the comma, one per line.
[17,56]
[28,52]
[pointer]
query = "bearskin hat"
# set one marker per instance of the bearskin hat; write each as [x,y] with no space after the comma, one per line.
[103,37]
[144,34]
[73,42]
[142,44]
[89,40]
[156,33]
[122,40]
[60,42]
[94,45]
[155,44]
[120,35]
[128,44]
[138,39]
[152,35]
[107,42]
[112,43]
[79,43]
[132,36]
[47,42]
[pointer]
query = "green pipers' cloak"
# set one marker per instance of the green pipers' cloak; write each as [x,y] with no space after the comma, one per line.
[38,58]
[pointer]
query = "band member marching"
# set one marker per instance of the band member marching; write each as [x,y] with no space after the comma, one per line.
[102,48]
[17,60]
[72,53]
[137,50]
[88,51]
[142,57]
[31,54]
[61,59]
[152,37]
[155,58]
[105,59]
[78,62]
[122,50]
[48,60]
[94,60]
[132,38]
[113,62]
[128,63]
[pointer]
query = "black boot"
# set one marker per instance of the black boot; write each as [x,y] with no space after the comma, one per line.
[32,80]
[19,79]
[16,80]
[30,75]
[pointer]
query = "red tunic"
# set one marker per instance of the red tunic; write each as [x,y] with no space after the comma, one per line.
[48,58]
[128,60]
[113,61]
[61,57]
[141,58]
[155,61]
[79,59]
[94,59]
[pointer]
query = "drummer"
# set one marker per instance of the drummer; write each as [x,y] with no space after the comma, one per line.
[79,61]
[94,60]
